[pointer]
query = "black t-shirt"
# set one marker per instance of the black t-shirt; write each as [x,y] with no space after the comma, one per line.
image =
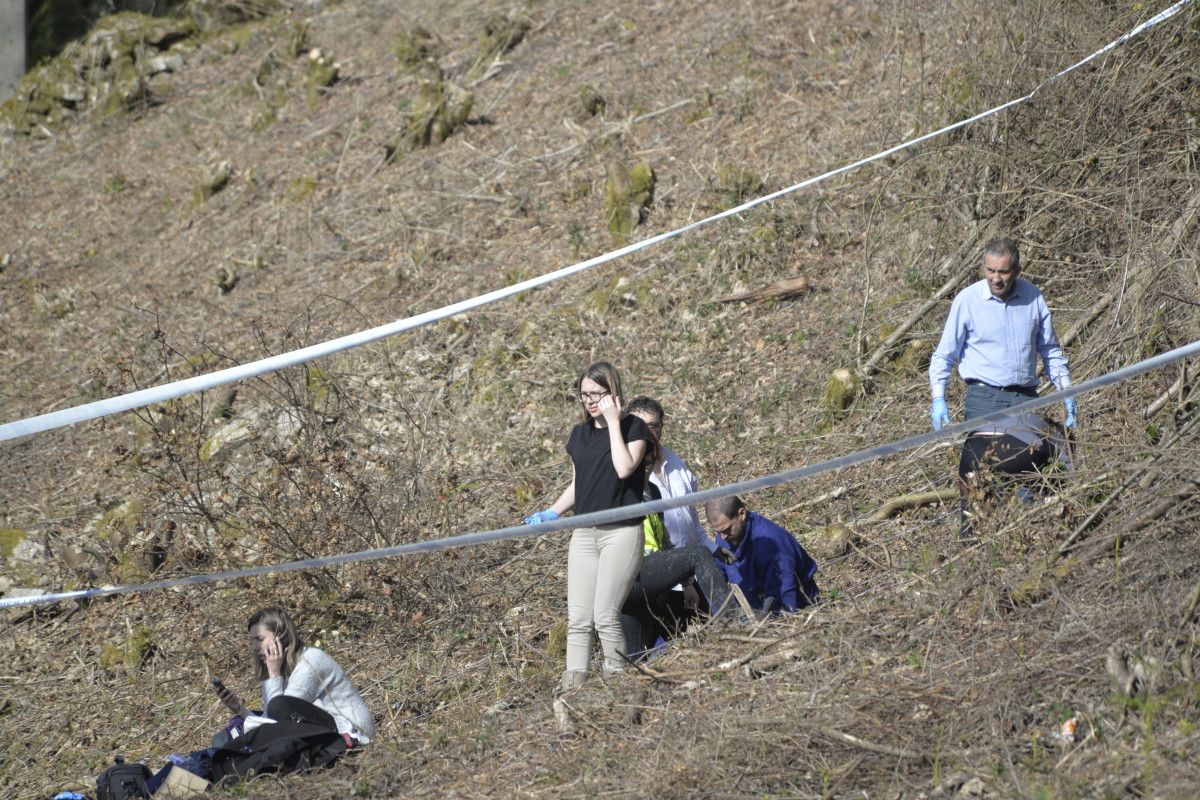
[597,487]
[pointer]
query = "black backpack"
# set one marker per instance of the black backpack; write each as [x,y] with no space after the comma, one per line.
[123,781]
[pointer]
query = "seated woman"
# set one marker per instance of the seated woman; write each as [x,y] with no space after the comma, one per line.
[1013,446]
[287,666]
[653,610]
[306,696]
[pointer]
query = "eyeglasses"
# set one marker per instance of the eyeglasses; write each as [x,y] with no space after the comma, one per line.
[592,397]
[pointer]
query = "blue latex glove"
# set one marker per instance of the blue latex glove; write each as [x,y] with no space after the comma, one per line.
[1072,410]
[939,413]
[549,515]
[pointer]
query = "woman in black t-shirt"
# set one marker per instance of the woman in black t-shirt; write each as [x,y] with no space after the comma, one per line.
[607,471]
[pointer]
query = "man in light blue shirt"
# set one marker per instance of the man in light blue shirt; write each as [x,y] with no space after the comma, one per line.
[997,329]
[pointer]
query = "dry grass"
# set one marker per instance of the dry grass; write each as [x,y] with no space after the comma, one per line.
[942,664]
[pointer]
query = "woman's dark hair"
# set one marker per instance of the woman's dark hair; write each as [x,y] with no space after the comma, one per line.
[604,374]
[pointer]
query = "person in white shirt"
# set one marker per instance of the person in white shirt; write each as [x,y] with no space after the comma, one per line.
[672,477]
[287,666]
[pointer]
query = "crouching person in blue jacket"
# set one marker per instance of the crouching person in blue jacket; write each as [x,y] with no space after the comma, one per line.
[768,563]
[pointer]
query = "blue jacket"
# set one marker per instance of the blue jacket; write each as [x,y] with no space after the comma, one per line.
[769,562]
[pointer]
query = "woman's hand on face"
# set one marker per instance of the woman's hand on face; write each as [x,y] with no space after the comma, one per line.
[610,407]
[273,653]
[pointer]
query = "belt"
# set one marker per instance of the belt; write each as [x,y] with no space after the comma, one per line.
[1016,387]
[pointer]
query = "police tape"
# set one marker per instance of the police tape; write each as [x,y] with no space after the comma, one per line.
[616,515]
[169,391]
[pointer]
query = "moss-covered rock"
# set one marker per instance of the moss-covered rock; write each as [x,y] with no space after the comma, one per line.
[736,184]
[628,194]
[592,101]
[441,108]
[55,303]
[107,69]
[320,73]
[220,402]
[413,46]
[226,438]
[1039,582]
[501,33]
[215,179]
[829,542]
[621,292]
[840,391]
[119,522]
[914,358]
[131,653]
[10,538]
[556,642]
[124,33]
[209,14]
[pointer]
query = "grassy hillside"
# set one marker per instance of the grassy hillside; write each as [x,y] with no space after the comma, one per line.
[308,170]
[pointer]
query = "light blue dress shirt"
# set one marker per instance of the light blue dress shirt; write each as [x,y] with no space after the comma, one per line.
[998,341]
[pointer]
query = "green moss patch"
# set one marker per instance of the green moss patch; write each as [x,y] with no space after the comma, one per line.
[735,184]
[117,523]
[107,69]
[441,108]
[628,194]
[320,73]
[216,179]
[501,33]
[413,46]
[9,539]
[592,101]
[840,391]
[137,648]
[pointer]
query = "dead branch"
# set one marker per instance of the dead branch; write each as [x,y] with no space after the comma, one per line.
[786,288]
[1156,512]
[863,744]
[904,501]
[1189,610]
[871,365]
[1174,439]
[1176,389]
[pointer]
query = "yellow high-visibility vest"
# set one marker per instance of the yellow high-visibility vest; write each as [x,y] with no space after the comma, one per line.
[656,533]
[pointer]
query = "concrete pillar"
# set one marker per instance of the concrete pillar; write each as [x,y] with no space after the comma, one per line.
[12,46]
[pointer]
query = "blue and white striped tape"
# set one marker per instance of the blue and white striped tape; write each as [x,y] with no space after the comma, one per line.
[617,514]
[168,391]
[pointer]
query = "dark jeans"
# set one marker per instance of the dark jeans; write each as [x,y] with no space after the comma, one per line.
[652,610]
[984,399]
[1000,455]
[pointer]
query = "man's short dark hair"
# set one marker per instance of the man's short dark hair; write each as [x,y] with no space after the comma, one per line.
[724,506]
[1003,246]
[646,405]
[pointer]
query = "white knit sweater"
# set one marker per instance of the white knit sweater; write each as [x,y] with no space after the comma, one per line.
[318,679]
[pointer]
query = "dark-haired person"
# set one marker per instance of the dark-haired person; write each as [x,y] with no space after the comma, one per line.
[287,666]
[672,477]
[607,471]
[1015,447]
[996,330]
[769,565]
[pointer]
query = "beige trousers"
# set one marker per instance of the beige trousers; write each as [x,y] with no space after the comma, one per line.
[602,564]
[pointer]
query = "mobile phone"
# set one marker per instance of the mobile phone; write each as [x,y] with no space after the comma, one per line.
[220,687]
